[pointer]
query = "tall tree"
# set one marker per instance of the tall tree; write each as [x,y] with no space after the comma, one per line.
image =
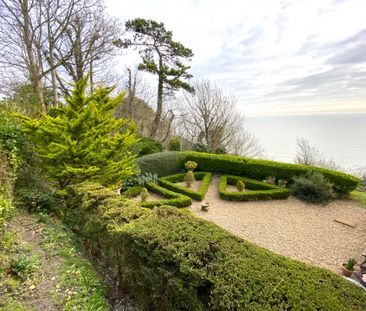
[160,56]
[83,141]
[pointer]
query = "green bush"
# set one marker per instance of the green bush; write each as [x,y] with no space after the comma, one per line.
[168,260]
[163,164]
[313,188]
[174,144]
[37,199]
[132,192]
[260,169]
[173,198]
[148,145]
[169,182]
[260,190]
[201,148]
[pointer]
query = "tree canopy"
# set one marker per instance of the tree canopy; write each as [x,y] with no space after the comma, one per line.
[162,56]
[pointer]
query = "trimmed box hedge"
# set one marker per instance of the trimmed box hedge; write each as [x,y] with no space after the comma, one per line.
[261,191]
[260,169]
[173,198]
[169,182]
[167,260]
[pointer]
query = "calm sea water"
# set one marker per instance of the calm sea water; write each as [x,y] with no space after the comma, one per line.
[340,137]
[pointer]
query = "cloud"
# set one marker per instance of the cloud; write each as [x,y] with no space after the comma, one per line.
[275,56]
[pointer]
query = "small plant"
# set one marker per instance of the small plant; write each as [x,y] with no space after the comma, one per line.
[144,194]
[271,180]
[240,185]
[282,183]
[174,144]
[139,180]
[190,165]
[350,264]
[313,187]
[23,266]
[189,178]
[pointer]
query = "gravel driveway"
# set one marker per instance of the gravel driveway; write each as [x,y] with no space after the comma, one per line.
[292,228]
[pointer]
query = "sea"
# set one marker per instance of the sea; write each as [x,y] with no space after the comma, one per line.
[341,137]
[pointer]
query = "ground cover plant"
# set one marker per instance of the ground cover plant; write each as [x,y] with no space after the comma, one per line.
[169,182]
[169,260]
[258,190]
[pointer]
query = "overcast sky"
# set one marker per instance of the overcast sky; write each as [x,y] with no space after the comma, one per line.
[276,57]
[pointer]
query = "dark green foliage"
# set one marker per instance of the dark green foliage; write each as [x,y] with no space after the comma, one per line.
[260,169]
[202,148]
[172,261]
[172,198]
[132,192]
[163,164]
[220,150]
[148,146]
[37,199]
[174,144]
[169,182]
[313,188]
[259,190]
[83,140]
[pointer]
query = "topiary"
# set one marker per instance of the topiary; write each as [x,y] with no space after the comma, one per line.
[190,165]
[189,178]
[144,194]
[313,187]
[148,146]
[174,144]
[240,185]
[162,163]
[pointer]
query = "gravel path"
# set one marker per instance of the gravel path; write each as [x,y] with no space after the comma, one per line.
[292,228]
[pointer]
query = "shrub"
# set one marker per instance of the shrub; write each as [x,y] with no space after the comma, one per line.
[139,180]
[260,169]
[174,144]
[148,145]
[260,190]
[313,188]
[240,185]
[173,198]
[172,261]
[163,164]
[132,192]
[202,148]
[169,182]
[37,199]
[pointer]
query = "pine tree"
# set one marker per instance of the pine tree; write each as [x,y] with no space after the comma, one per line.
[83,141]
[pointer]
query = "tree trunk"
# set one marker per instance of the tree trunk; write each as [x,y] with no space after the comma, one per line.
[159,104]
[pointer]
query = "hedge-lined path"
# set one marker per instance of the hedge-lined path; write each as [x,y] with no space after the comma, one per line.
[292,228]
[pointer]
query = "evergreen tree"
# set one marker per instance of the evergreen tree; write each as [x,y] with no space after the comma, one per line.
[83,141]
[161,56]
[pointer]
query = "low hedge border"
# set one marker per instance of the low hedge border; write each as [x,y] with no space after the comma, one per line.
[260,169]
[261,191]
[167,260]
[173,198]
[169,183]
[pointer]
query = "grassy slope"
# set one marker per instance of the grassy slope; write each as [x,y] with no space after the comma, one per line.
[41,269]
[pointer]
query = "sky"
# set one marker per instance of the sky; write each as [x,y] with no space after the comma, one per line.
[278,57]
